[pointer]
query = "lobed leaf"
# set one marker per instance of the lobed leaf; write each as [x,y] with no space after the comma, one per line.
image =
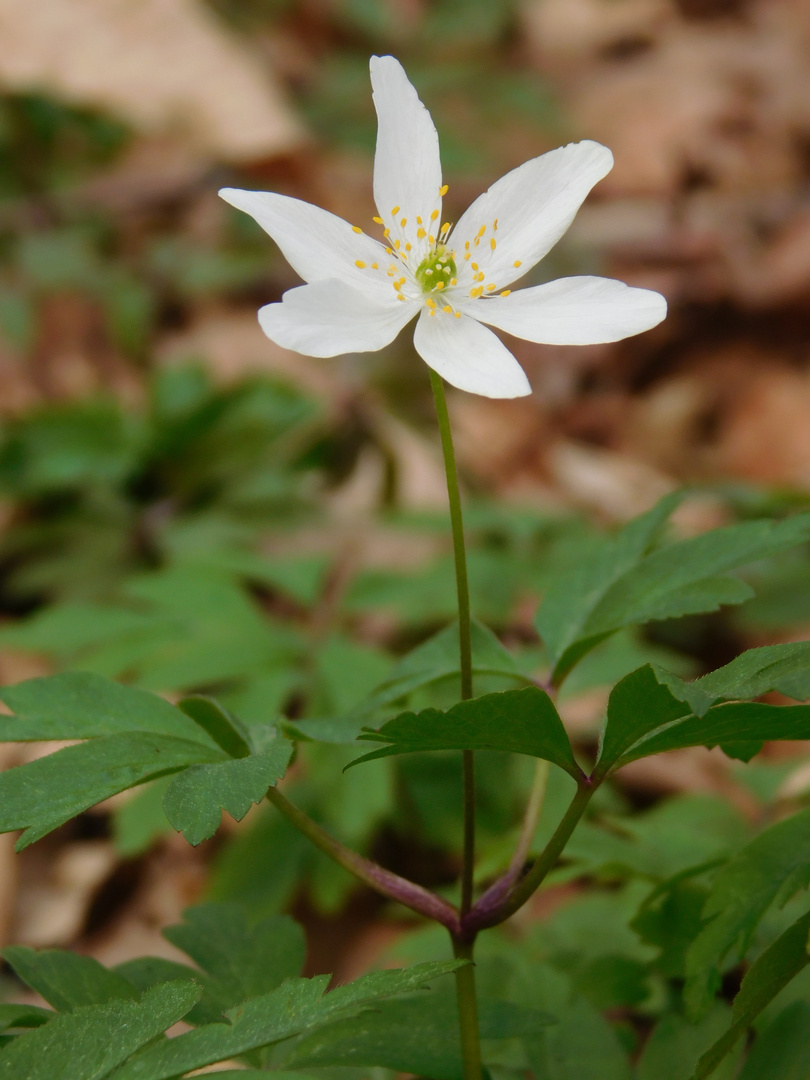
[775,864]
[521,721]
[44,794]
[291,1009]
[770,973]
[197,796]
[68,980]
[90,1042]
[629,583]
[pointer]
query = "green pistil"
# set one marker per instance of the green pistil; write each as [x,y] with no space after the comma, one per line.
[438,266]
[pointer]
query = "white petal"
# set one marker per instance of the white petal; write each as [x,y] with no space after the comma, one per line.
[469,356]
[318,245]
[328,318]
[533,206]
[407,169]
[573,311]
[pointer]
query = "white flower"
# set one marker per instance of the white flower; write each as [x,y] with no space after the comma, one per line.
[361,292]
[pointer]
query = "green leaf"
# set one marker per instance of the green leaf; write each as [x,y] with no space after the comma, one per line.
[785,668]
[628,583]
[196,797]
[287,1011]
[81,705]
[520,721]
[431,662]
[241,960]
[226,730]
[23,1016]
[638,704]
[416,1035]
[90,1042]
[782,1051]
[775,864]
[45,793]
[68,980]
[771,972]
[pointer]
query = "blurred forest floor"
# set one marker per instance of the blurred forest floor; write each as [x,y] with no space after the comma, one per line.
[118,122]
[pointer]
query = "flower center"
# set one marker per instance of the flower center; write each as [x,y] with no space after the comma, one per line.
[437,270]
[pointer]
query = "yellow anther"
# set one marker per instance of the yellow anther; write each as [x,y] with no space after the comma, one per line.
[495,224]
[444,189]
[466,254]
[408,247]
[420,234]
[439,284]
[482,230]
[389,251]
[457,314]
[397,244]
[431,303]
[446,227]
[400,296]
[517,262]
[447,309]
[466,243]
[480,275]
[476,241]
[386,233]
[453,281]
[491,288]
[395,211]
[474,266]
[360,264]
[476,292]
[418,220]
[506,292]
[375,266]
[356,228]
[378,221]
[431,239]
[434,215]
[403,223]
[492,243]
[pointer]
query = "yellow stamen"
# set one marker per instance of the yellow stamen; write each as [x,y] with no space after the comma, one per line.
[492,243]
[447,309]
[431,239]
[480,275]
[407,247]
[360,264]
[495,224]
[356,228]
[395,211]
[431,303]
[378,221]
[506,292]
[418,220]
[400,296]
[375,266]
[420,234]
[490,288]
[457,314]
[453,281]
[482,230]
[475,293]
[397,244]
[386,233]
[434,215]
[474,266]
[404,222]
[466,243]
[466,255]
[444,189]
[517,262]
[389,251]
[439,284]
[446,227]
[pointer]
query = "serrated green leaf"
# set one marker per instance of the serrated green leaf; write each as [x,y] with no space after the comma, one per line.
[519,721]
[771,972]
[43,794]
[628,584]
[90,1042]
[782,1050]
[81,705]
[785,668]
[676,1044]
[287,1011]
[241,960]
[416,1035]
[775,863]
[196,797]
[68,980]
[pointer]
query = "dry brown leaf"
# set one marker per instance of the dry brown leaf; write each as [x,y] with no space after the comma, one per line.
[164,65]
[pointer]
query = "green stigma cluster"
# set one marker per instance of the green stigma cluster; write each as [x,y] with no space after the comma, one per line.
[438,269]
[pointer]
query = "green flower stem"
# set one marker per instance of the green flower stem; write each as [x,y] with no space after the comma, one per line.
[467,1011]
[497,905]
[370,873]
[464,632]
